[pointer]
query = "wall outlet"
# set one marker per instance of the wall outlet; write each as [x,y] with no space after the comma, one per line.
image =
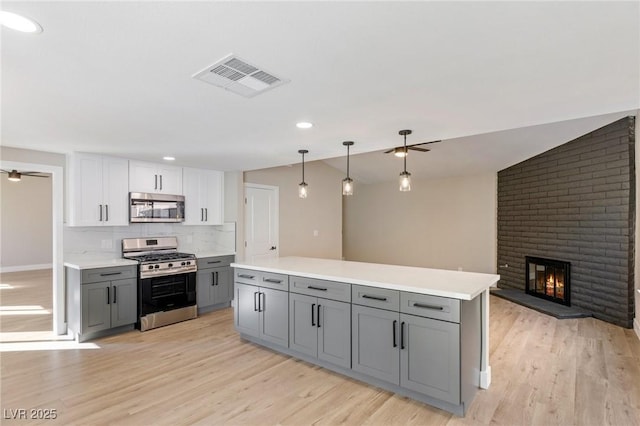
[315,233]
[189,239]
[106,244]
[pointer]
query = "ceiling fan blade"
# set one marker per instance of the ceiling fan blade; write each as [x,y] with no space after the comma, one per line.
[424,143]
[415,148]
[389,151]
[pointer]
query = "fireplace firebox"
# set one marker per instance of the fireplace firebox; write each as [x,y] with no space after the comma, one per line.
[548,279]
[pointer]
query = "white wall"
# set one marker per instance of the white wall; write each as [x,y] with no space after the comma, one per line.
[441,223]
[26,240]
[321,211]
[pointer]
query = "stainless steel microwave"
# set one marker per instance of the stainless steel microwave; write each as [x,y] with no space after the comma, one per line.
[147,207]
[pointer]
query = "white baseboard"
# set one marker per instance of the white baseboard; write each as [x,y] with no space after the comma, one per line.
[20,268]
[636,326]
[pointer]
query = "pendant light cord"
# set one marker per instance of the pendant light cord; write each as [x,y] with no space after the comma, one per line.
[303,167]
[347,161]
[405,153]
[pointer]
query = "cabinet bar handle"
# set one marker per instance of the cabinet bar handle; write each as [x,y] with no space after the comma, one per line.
[402,335]
[108,298]
[310,287]
[217,281]
[100,212]
[161,182]
[313,307]
[206,214]
[201,214]
[395,324]
[114,293]
[106,211]
[432,307]
[215,261]
[261,300]
[246,276]
[382,299]
[272,280]
[155,186]
[108,274]
[318,316]
[255,303]
[213,279]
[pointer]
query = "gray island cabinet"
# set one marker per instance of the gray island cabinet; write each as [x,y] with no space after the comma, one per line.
[419,332]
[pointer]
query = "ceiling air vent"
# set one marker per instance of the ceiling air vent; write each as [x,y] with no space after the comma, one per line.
[238,76]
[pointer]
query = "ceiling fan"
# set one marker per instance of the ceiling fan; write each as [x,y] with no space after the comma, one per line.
[15,175]
[402,151]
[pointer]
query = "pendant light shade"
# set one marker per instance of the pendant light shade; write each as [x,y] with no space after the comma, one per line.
[405,176]
[302,187]
[347,183]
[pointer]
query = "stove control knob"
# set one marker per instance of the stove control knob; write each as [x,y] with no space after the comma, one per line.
[157,266]
[188,262]
[183,263]
[150,267]
[170,265]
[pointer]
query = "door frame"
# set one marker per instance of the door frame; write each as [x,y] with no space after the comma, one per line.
[57,213]
[276,191]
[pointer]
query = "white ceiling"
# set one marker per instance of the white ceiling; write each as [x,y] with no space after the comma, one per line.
[115,78]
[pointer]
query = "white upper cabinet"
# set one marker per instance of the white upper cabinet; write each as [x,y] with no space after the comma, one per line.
[98,190]
[203,197]
[155,178]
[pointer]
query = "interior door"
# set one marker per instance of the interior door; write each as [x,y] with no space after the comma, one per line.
[261,222]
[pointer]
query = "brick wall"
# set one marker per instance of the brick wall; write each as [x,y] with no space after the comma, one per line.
[575,203]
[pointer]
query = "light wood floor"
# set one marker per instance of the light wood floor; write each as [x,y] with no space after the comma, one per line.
[545,372]
[26,306]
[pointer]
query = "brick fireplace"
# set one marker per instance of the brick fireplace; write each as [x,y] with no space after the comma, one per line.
[574,203]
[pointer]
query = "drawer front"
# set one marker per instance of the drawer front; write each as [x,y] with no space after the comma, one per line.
[262,279]
[326,289]
[441,308]
[214,262]
[275,281]
[375,297]
[246,276]
[109,274]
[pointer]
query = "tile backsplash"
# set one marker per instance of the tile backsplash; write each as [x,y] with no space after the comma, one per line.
[108,240]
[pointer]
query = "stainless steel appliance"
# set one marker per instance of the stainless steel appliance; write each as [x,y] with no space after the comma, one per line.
[146,207]
[166,281]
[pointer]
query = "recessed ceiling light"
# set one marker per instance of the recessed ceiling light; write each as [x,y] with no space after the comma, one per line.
[304,125]
[19,23]
[169,158]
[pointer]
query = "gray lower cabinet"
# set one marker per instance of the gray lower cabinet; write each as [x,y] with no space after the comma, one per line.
[320,328]
[417,353]
[262,312]
[376,343]
[101,299]
[430,357]
[214,281]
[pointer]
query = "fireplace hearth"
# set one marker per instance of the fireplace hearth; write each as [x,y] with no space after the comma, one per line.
[548,279]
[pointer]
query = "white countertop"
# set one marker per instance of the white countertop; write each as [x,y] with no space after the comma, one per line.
[212,253]
[435,282]
[92,261]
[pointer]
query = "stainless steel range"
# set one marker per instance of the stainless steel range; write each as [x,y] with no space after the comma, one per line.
[166,281]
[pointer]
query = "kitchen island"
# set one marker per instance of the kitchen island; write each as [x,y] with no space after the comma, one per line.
[419,332]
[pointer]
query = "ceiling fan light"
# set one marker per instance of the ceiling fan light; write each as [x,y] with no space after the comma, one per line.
[405,181]
[14,176]
[400,152]
[347,186]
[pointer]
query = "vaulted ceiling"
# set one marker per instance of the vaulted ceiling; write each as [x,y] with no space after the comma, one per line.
[116,78]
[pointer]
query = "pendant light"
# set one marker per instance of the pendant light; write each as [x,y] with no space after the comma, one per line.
[302,187]
[347,183]
[405,176]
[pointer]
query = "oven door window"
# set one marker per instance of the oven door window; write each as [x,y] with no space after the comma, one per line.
[167,293]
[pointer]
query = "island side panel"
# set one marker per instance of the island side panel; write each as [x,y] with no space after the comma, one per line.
[485,368]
